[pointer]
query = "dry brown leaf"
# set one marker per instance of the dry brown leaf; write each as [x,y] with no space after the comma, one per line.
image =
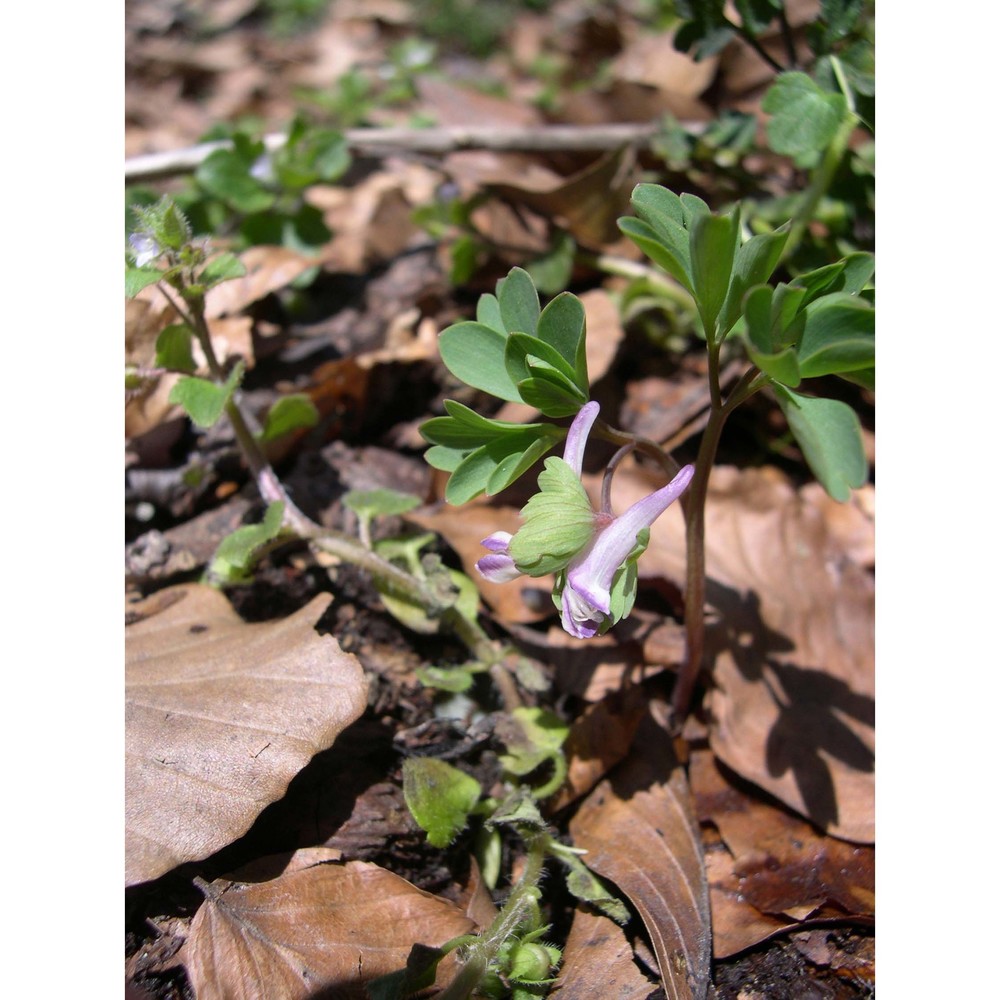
[778,865]
[639,830]
[269,269]
[219,717]
[598,740]
[652,60]
[597,963]
[328,927]
[792,706]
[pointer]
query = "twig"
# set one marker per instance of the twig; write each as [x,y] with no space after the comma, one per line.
[539,138]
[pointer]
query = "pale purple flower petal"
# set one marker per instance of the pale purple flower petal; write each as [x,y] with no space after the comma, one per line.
[576,436]
[145,247]
[497,542]
[498,567]
[579,617]
[590,575]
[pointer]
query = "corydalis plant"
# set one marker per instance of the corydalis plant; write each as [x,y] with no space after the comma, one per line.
[593,553]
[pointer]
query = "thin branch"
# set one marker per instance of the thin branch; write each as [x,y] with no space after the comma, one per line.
[381,141]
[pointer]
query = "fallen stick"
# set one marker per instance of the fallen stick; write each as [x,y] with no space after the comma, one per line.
[543,138]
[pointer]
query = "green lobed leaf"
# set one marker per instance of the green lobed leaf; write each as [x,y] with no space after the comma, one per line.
[235,557]
[380,503]
[829,433]
[445,459]
[440,797]
[839,336]
[558,522]
[223,267]
[523,351]
[474,354]
[644,237]
[138,278]
[488,313]
[713,249]
[202,400]
[515,465]
[290,413]
[765,337]
[805,118]
[519,306]
[563,325]
[173,348]
[755,263]
[477,472]
[551,394]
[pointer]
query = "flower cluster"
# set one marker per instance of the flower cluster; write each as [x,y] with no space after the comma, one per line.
[593,553]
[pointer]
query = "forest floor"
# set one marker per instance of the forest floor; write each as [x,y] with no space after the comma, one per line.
[774,770]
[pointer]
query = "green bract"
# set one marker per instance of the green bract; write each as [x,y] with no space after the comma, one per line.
[558,522]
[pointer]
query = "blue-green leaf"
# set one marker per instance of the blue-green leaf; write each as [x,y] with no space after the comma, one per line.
[519,306]
[713,249]
[563,324]
[829,433]
[474,353]
[839,336]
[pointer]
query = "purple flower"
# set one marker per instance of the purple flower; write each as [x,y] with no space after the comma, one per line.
[498,567]
[145,247]
[591,552]
[586,596]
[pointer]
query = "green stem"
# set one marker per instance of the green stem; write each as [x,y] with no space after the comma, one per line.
[486,948]
[694,515]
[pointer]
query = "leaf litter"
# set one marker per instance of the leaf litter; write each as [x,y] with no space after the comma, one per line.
[768,822]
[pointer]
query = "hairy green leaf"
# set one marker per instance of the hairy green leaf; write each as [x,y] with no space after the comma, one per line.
[440,797]
[290,413]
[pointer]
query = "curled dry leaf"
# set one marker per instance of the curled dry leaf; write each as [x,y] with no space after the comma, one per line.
[792,646]
[778,869]
[597,963]
[640,832]
[322,930]
[219,717]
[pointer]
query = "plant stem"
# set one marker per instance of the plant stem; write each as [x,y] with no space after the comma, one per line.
[693,504]
[481,952]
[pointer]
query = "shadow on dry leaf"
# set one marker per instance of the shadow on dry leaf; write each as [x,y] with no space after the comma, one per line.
[791,648]
[807,708]
[640,832]
[219,717]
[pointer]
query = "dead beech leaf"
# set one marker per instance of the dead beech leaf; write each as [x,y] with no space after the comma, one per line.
[597,963]
[329,927]
[219,717]
[792,703]
[639,830]
[598,740]
[781,865]
[269,269]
